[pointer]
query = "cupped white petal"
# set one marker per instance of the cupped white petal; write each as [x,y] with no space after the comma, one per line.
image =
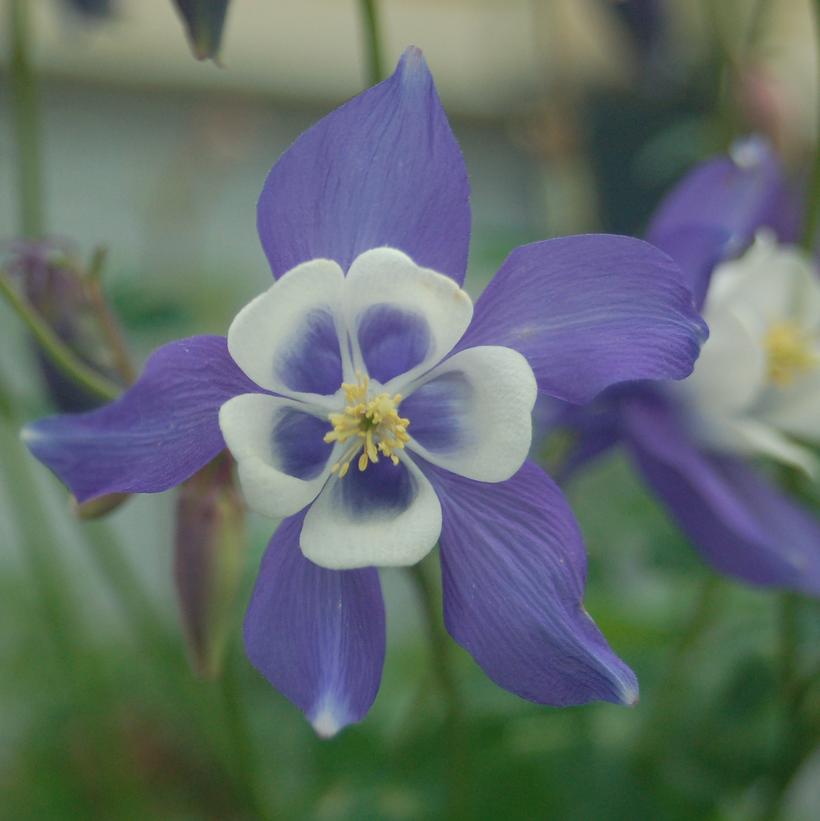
[795,408]
[767,284]
[731,370]
[287,339]
[280,473]
[387,515]
[488,394]
[397,309]
[757,438]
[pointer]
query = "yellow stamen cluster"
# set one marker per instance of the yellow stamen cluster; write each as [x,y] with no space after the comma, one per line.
[374,425]
[789,353]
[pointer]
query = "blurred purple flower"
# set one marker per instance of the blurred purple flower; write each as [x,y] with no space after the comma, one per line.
[756,385]
[367,401]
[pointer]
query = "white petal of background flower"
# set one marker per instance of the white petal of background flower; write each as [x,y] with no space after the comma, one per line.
[334,537]
[247,423]
[740,404]
[385,276]
[496,425]
[266,329]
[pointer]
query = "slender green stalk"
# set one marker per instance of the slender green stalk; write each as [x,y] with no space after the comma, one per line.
[51,581]
[811,217]
[26,119]
[370,23]
[103,546]
[240,739]
[673,680]
[61,355]
[458,763]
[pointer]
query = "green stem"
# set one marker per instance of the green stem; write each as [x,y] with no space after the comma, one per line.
[108,555]
[458,763]
[240,739]
[26,120]
[62,356]
[673,680]
[51,581]
[811,217]
[370,23]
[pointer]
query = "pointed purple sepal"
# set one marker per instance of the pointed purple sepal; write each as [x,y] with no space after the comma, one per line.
[382,170]
[156,435]
[740,523]
[514,569]
[317,635]
[588,312]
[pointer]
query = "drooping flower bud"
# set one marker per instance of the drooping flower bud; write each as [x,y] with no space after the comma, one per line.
[69,300]
[204,21]
[208,561]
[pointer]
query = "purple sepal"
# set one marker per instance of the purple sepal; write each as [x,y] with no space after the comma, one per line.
[383,169]
[741,524]
[714,212]
[588,312]
[513,570]
[156,435]
[317,635]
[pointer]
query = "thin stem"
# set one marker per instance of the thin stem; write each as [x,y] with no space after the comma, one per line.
[26,120]
[51,581]
[811,217]
[61,355]
[370,23]
[240,738]
[108,555]
[458,764]
[672,682]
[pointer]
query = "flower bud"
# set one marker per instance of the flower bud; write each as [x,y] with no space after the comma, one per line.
[204,20]
[70,302]
[209,561]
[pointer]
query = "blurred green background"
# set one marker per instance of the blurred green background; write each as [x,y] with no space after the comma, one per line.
[574,116]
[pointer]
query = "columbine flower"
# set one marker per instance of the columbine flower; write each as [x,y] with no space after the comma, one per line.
[758,380]
[756,385]
[370,403]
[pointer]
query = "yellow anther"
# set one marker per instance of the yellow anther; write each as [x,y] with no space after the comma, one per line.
[373,425]
[789,353]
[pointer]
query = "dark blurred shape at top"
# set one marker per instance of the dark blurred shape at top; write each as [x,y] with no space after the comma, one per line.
[204,21]
[92,9]
[644,20]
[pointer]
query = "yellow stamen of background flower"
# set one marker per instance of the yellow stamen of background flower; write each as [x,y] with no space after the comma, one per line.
[372,426]
[789,353]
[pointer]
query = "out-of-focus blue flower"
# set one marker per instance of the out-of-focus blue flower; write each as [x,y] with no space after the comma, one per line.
[204,21]
[368,402]
[755,389]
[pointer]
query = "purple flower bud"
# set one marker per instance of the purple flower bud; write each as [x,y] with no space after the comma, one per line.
[208,561]
[70,302]
[204,20]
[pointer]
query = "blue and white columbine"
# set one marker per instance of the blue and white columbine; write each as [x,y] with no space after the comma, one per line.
[370,403]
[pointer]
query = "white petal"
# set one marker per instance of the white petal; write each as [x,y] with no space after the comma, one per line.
[795,408]
[491,412]
[770,283]
[344,531]
[758,438]
[273,330]
[248,423]
[387,278]
[731,370]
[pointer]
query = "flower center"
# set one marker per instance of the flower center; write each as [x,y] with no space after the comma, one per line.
[789,352]
[372,426]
